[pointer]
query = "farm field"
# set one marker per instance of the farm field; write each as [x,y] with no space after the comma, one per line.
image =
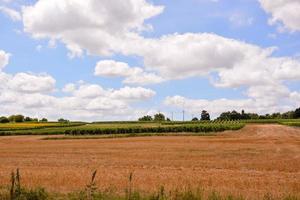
[252,162]
[79,128]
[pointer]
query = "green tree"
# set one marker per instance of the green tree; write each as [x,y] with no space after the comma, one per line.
[16,118]
[297,113]
[146,118]
[4,120]
[195,119]
[28,119]
[44,120]
[205,116]
[159,117]
[62,120]
[288,115]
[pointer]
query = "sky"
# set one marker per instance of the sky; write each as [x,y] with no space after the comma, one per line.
[99,60]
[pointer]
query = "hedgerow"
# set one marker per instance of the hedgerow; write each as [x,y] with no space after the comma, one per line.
[209,127]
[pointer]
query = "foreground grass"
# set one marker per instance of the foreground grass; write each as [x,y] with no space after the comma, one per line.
[187,194]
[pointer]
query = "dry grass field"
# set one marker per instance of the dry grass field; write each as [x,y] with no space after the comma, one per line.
[256,160]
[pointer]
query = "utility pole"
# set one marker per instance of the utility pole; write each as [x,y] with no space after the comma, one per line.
[172,116]
[183,115]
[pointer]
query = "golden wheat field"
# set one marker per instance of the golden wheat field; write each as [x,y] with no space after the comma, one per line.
[256,160]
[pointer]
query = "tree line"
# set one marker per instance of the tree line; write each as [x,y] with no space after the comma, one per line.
[22,118]
[234,115]
[231,115]
[157,118]
[161,117]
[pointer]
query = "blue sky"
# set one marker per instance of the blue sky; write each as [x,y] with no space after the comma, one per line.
[60,81]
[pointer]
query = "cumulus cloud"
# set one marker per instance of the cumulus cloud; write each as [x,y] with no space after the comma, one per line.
[35,95]
[285,13]
[107,27]
[11,13]
[94,98]
[98,26]
[227,59]
[133,75]
[132,94]
[85,102]
[30,83]
[217,106]
[180,56]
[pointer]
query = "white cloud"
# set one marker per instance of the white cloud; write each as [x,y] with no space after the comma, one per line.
[98,26]
[181,56]
[86,102]
[69,88]
[4,59]
[205,54]
[35,95]
[133,75]
[11,13]
[30,83]
[143,78]
[89,91]
[217,106]
[284,13]
[111,68]
[132,94]
[107,27]
[175,56]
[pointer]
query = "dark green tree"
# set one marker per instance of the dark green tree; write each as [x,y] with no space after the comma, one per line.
[205,116]
[44,120]
[146,118]
[28,119]
[159,117]
[62,120]
[195,119]
[297,113]
[288,115]
[4,120]
[16,118]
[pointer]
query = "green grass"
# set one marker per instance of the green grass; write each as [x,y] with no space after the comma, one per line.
[291,123]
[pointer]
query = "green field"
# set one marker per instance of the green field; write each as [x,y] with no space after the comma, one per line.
[131,127]
[103,128]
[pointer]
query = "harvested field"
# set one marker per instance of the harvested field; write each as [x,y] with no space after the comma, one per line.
[253,161]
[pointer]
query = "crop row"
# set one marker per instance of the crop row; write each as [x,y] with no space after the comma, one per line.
[37,126]
[160,129]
